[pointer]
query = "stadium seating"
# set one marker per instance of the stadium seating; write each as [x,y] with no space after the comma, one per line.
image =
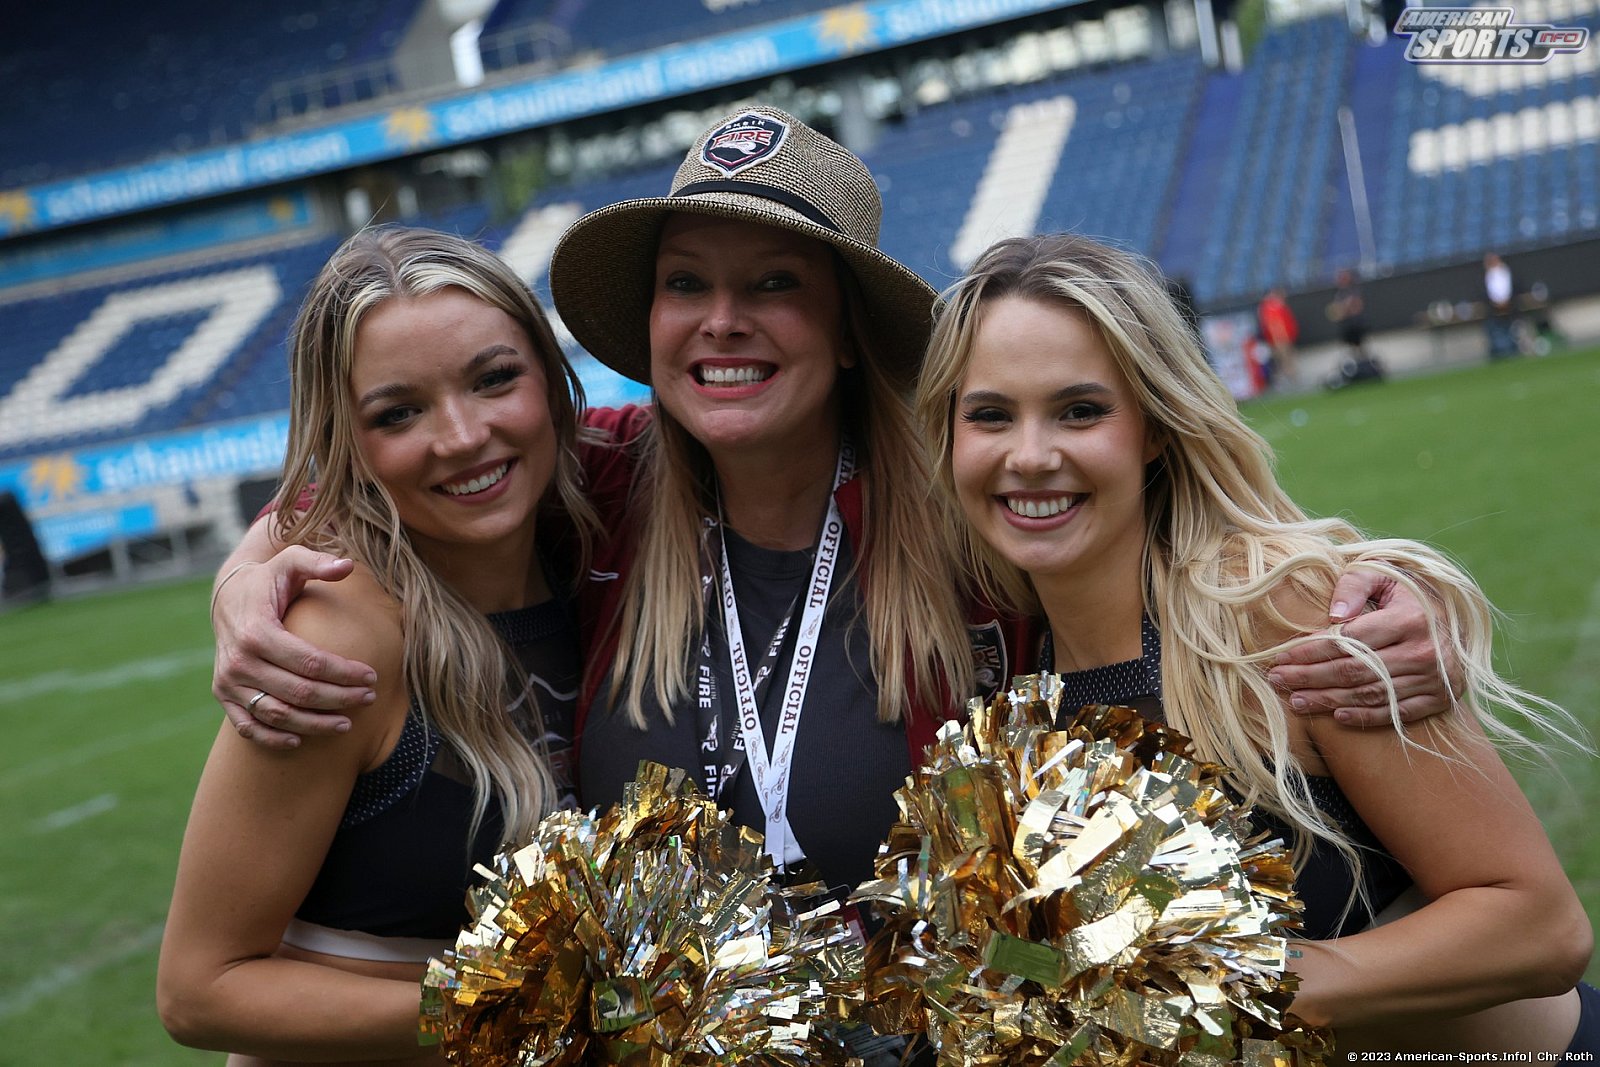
[1163,156]
[1254,188]
[1480,156]
[102,84]
[177,349]
[618,27]
[163,352]
[1453,160]
[1091,152]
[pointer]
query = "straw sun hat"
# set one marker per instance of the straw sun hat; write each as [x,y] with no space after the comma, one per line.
[760,165]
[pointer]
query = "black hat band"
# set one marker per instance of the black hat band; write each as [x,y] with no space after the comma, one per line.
[766,192]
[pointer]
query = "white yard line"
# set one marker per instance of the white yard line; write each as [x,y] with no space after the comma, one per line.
[74,681]
[106,746]
[75,972]
[60,820]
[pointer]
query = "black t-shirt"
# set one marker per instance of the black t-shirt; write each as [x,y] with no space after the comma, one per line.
[847,764]
[544,640]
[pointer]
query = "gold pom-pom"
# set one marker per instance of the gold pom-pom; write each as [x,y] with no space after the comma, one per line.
[654,935]
[1083,895]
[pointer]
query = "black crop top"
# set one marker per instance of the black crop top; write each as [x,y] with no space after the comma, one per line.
[1325,883]
[400,863]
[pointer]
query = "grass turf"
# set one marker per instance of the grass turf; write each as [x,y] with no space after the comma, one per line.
[106,712]
[1495,465]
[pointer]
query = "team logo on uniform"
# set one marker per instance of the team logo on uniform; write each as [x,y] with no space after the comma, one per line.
[743,142]
[988,657]
[1482,35]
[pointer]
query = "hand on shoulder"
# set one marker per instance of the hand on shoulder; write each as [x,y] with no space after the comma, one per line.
[358,619]
[1292,613]
[355,617]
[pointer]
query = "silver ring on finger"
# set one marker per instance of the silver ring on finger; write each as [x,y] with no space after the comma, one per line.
[251,707]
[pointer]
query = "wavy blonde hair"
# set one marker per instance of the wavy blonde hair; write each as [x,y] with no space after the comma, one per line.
[456,666]
[907,564]
[1221,538]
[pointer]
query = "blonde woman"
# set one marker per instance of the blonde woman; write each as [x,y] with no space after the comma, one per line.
[1109,485]
[770,563]
[435,413]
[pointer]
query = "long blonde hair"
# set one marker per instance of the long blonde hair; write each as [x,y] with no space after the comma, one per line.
[907,564]
[456,666]
[1221,537]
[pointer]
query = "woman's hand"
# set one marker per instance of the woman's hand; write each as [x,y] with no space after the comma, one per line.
[302,684]
[1383,614]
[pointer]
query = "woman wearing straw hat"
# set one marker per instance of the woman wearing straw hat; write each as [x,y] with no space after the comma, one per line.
[776,602]
[781,345]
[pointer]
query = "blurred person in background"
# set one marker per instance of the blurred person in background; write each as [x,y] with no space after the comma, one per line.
[1499,317]
[1183,298]
[1348,311]
[1280,330]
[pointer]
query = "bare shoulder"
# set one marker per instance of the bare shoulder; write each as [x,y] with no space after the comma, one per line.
[356,618]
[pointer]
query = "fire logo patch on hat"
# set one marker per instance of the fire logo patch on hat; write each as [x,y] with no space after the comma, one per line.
[743,142]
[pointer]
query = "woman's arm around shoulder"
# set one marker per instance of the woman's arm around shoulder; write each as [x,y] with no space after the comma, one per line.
[255,654]
[259,830]
[1502,923]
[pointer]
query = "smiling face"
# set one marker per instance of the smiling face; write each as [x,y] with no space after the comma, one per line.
[746,335]
[1049,446]
[451,413]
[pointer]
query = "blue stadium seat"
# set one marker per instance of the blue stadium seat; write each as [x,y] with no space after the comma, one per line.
[99,84]
[1500,195]
[1163,156]
[227,319]
[620,27]
[1251,215]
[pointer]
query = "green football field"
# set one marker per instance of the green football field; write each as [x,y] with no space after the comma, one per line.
[106,715]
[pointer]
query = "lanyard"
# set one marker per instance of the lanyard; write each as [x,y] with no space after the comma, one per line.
[770,772]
